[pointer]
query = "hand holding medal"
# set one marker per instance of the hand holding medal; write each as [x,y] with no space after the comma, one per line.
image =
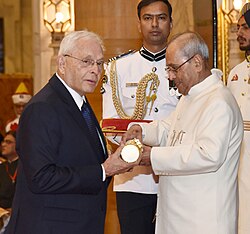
[132,150]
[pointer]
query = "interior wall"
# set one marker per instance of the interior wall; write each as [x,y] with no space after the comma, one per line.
[41,51]
[203,23]
[183,16]
[113,20]
[17,16]
[27,62]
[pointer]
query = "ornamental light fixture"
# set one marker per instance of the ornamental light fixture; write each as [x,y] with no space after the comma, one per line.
[57,15]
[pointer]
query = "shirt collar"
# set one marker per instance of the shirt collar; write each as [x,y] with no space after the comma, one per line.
[77,98]
[215,77]
[152,56]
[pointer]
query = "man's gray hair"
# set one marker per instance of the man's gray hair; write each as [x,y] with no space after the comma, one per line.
[68,44]
[192,43]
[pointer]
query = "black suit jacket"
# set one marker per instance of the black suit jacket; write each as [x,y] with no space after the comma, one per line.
[59,186]
[7,187]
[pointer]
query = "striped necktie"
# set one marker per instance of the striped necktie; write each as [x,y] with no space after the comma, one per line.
[90,121]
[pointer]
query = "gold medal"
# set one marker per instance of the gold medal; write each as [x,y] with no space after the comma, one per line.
[131,151]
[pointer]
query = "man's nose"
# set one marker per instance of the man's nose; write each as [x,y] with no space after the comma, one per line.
[96,68]
[239,32]
[155,22]
[171,75]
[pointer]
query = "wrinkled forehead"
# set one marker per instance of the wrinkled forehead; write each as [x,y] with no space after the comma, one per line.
[89,48]
[20,104]
[9,137]
[174,50]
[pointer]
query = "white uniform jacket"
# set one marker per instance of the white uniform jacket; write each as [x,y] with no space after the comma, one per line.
[196,155]
[239,83]
[130,70]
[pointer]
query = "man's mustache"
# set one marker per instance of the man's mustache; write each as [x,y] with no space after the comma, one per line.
[240,38]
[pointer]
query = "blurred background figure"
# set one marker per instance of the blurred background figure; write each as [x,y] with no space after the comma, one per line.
[239,83]
[20,98]
[8,173]
[1,139]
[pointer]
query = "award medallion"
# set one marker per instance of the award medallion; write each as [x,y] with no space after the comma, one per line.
[131,151]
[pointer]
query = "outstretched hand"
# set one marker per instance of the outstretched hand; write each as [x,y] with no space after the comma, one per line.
[135,131]
[114,165]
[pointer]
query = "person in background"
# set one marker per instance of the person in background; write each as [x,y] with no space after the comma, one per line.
[196,150]
[64,168]
[130,79]
[239,83]
[1,139]
[8,174]
[20,98]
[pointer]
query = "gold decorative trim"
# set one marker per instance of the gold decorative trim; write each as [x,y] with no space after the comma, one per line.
[142,100]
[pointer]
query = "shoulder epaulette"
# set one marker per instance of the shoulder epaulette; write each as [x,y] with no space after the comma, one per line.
[105,77]
[121,55]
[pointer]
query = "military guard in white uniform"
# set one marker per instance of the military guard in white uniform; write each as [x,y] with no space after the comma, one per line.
[239,83]
[136,87]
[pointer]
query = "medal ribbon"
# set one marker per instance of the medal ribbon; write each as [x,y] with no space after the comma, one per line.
[12,177]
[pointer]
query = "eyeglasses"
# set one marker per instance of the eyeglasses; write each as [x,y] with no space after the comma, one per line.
[175,70]
[88,62]
[8,142]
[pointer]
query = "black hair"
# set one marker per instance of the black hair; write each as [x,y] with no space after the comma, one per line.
[144,3]
[1,137]
[12,133]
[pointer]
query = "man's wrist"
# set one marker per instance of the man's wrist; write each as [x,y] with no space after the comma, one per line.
[103,173]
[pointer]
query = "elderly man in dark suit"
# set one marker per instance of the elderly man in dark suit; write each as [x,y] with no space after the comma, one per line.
[64,170]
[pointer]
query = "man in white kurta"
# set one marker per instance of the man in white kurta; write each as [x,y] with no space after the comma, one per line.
[196,150]
[239,83]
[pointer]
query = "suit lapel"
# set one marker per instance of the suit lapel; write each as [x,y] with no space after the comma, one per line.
[72,108]
[67,101]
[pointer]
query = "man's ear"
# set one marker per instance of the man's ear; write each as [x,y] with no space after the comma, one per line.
[198,62]
[171,25]
[61,64]
[139,25]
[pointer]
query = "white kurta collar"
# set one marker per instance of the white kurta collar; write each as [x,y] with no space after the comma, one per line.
[206,83]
